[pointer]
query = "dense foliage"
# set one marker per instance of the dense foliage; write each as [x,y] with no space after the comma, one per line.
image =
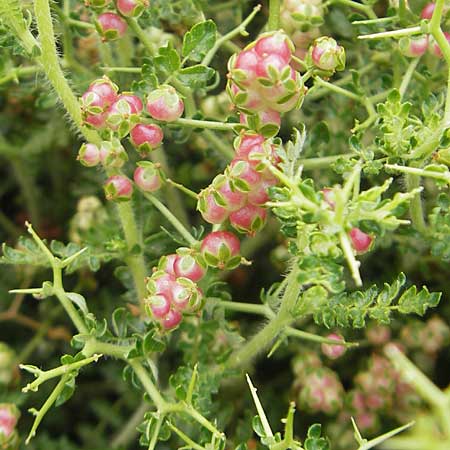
[225,224]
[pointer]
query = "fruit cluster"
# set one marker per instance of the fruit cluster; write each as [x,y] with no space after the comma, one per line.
[261,78]
[172,287]
[239,194]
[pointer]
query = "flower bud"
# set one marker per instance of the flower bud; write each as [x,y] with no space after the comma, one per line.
[327,55]
[7,358]
[322,391]
[9,415]
[361,241]
[334,351]
[186,266]
[230,197]
[221,249]
[434,335]
[161,283]
[427,11]
[131,8]
[105,89]
[250,219]
[378,334]
[434,47]
[171,320]
[96,121]
[110,26]
[413,46]
[124,112]
[147,177]
[166,263]
[157,306]
[112,154]
[304,362]
[89,155]
[243,175]
[165,104]
[146,137]
[118,188]
[186,296]
[210,210]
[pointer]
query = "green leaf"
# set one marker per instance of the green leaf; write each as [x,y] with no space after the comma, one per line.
[167,61]
[199,40]
[67,392]
[195,76]
[314,441]
[418,302]
[79,300]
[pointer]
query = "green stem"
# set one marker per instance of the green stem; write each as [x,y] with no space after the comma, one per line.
[273,23]
[185,437]
[207,124]
[43,376]
[46,406]
[338,90]
[393,34]
[282,319]
[415,205]
[222,147]
[171,218]
[19,72]
[122,69]
[183,189]
[135,262]
[443,176]
[50,63]
[350,257]
[129,432]
[323,162]
[146,381]
[233,33]
[140,34]
[407,77]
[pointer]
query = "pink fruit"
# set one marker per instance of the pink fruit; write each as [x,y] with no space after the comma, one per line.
[243,171]
[360,241]
[165,104]
[171,320]
[146,137]
[246,62]
[96,121]
[413,46]
[249,219]
[92,102]
[260,194]
[435,47]
[266,117]
[147,177]
[427,11]
[111,26]
[234,199]
[159,305]
[131,8]
[167,262]
[118,188]
[89,155]
[327,55]
[133,101]
[275,62]
[210,210]
[334,351]
[187,297]
[187,267]
[219,248]
[161,283]
[248,142]
[105,89]
[274,44]
[112,154]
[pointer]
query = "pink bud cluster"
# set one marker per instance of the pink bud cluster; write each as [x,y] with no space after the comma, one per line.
[173,289]
[239,194]
[262,79]
[322,391]
[111,24]
[103,107]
